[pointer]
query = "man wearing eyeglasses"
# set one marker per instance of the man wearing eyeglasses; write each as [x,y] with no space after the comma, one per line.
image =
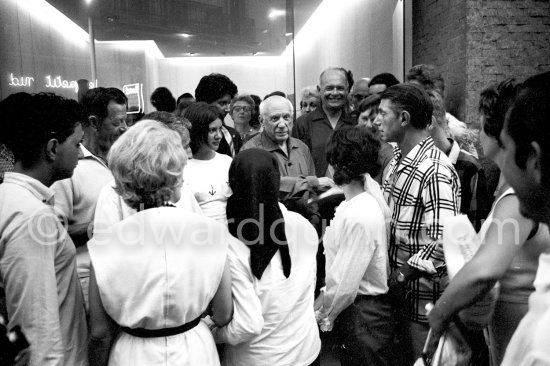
[315,128]
[296,165]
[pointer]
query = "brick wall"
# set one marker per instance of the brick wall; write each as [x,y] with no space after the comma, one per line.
[439,38]
[477,42]
[504,39]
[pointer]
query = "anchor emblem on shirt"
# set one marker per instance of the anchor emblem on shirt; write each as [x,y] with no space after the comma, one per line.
[212,191]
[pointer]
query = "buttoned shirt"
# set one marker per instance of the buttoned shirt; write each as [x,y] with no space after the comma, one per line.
[356,254]
[38,272]
[422,190]
[296,167]
[314,129]
[475,199]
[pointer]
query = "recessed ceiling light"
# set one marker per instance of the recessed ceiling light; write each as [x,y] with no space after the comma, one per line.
[275,13]
[185,35]
[264,31]
[288,34]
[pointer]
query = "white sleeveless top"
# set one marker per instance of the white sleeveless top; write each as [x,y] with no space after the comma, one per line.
[160,268]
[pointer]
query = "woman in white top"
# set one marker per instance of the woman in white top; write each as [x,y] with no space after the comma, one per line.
[511,243]
[206,173]
[355,300]
[276,255]
[149,283]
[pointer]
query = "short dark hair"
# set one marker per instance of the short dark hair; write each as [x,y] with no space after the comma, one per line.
[414,100]
[352,152]
[527,120]
[255,120]
[372,100]
[427,76]
[163,100]
[494,102]
[213,87]
[200,115]
[96,101]
[184,95]
[385,78]
[276,92]
[29,121]
[173,122]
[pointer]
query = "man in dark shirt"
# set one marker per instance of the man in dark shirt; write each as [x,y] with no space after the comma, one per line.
[315,128]
[218,90]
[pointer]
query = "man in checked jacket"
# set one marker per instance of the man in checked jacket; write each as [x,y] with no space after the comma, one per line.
[422,188]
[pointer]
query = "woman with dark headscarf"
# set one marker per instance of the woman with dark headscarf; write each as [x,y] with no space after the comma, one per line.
[276,252]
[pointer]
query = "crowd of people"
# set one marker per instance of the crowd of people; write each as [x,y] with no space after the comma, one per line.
[221,229]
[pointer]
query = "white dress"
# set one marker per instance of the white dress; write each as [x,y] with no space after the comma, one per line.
[156,269]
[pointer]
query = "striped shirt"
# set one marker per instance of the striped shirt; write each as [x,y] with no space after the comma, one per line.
[422,189]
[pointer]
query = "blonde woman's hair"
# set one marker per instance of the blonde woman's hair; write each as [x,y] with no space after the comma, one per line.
[147,163]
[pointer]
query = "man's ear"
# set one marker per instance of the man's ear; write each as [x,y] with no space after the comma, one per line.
[432,124]
[534,162]
[261,119]
[405,118]
[51,149]
[94,122]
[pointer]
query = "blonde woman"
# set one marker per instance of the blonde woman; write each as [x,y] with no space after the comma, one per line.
[149,277]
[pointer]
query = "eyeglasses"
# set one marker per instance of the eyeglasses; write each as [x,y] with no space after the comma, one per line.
[242,109]
[310,105]
[274,118]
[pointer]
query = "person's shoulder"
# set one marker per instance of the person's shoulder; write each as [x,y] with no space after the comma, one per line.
[436,163]
[468,159]
[298,143]
[224,159]
[253,142]
[231,130]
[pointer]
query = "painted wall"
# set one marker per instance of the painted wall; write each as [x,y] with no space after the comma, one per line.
[255,75]
[39,46]
[41,50]
[355,34]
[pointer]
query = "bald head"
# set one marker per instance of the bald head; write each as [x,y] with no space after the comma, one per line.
[359,91]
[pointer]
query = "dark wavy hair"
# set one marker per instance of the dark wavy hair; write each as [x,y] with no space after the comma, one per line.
[414,100]
[96,101]
[527,121]
[352,152]
[494,102]
[213,87]
[163,100]
[200,115]
[384,78]
[29,121]
[427,76]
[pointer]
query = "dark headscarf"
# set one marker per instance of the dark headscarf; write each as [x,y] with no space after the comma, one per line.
[253,210]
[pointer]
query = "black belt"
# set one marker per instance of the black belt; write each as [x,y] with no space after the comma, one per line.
[164,332]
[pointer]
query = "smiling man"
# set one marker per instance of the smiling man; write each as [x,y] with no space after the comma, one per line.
[422,189]
[104,120]
[315,128]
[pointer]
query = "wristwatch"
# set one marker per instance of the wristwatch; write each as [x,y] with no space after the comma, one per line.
[401,277]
